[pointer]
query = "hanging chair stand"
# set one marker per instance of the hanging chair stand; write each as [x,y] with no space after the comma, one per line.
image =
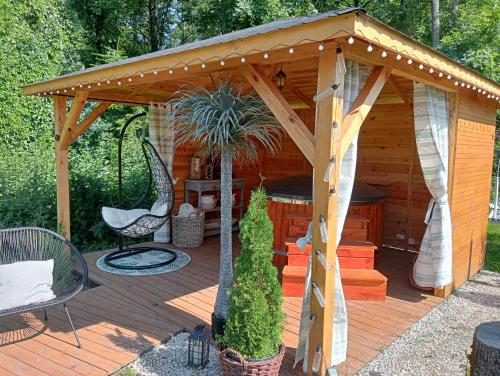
[149,222]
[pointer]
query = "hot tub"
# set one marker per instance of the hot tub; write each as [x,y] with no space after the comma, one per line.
[290,209]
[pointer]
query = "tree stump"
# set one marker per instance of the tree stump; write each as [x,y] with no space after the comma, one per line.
[485,356]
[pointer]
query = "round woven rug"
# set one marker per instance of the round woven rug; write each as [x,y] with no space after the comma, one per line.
[146,258]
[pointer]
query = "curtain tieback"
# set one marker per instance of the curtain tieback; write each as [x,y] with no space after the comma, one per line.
[432,204]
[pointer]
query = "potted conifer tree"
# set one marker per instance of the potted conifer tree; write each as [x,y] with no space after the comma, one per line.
[230,125]
[251,344]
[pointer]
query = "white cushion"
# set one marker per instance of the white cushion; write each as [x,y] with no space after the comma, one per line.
[121,218]
[26,282]
[159,209]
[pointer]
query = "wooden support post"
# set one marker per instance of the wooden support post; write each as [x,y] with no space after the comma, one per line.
[270,94]
[62,174]
[85,123]
[328,111]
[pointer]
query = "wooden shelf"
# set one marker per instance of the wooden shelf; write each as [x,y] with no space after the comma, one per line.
[218,208]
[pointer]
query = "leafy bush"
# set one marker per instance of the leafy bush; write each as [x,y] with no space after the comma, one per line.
[255,323]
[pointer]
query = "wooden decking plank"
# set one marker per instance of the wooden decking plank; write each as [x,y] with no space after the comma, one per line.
[17,367]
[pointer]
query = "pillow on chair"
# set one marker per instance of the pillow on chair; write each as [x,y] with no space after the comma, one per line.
[26,282]
[118,218]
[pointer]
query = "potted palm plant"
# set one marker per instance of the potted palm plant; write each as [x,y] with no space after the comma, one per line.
[251,344]
[229,125]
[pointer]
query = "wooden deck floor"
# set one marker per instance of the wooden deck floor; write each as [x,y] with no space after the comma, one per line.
[126,316]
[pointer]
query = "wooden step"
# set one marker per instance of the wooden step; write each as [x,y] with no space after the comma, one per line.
[358,284]
[352,254]
[362,284]
[356,228]
[293,280]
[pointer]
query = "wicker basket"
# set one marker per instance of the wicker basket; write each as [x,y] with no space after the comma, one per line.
[232,363]
[187,232]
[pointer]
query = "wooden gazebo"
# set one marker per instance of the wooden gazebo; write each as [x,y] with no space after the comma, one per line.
[307,49]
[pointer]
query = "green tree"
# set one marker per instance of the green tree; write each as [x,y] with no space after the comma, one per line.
[256,332]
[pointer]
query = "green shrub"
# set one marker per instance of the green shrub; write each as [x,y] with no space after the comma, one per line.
[255,323]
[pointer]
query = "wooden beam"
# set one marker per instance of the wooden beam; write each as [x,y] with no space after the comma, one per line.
[328,111]
[72,119]
[362,106]
[300,94]
[251,47]
[62,171]
[271,95]
[87,122]
[399,89]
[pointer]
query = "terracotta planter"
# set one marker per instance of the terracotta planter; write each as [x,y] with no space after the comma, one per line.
[232,363]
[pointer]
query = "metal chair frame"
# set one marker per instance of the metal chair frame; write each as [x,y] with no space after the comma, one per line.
[38,244]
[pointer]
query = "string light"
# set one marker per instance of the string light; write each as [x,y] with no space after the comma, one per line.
[440,74]
[44,93]
[398,57]
[155,72]
[242,59]
[384,54]
[448,77]
[98,84]
[462,84]
[291,51]
[474,88]
[81,85]
[321,47]
[369,48]
[456,83]
[421,66]
[468,86]
[186,67]
[431,70]
[350,40]
[222,62]
[50,93]
[89,86]
[63,90]
[72,88]
[410,61]
[108,82]
[119,83]
[266,55]
[57,92]
[142,75]
[203,66]
[170,71]
[130,79]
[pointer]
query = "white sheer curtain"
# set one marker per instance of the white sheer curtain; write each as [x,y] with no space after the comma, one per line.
[356,76]
[433,267]
[161,135]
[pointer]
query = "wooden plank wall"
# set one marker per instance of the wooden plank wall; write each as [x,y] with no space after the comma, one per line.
[471,185]
[388,159]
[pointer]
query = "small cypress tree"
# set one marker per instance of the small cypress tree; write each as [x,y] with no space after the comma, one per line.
[255,323]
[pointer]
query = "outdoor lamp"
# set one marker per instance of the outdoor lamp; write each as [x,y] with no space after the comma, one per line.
[281,79]
[199,347]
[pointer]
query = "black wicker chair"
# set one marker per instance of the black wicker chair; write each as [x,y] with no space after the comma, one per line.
[135,223]
[70,271]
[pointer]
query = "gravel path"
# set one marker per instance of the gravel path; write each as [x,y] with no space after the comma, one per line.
[437,344]
[170,359]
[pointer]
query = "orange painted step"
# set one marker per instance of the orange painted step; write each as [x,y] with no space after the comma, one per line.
[358,284]
[352,254]
[293,280]
[362,284]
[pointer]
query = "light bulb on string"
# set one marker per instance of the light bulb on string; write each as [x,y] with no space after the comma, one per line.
[421,66]
[431,70]
[203,66]
[468,86]
[462,84]
[350,40]
[142,75]
[57,91]
[384,53]
[321,47]
[291,50]
[119,83]
[448,77]
[186,67]
[266,55]
[369,48]
[243,59]
[456,83]
[108,82]
[222,62]
[410,61]
[474,88]
[440,74]
[89,87]
[170,71]
[398,57]
[130,79]
[98,84]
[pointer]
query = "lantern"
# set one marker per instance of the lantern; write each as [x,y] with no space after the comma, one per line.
[281,79]
[199,347]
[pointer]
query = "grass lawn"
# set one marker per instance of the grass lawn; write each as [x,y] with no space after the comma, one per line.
[492,261]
